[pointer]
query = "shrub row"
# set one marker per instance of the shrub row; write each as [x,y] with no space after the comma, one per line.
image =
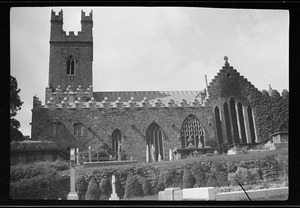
[149,178]
[49,186]
[141,181]
[31,170]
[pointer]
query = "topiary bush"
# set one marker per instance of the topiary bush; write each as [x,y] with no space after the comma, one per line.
[132,188]
[160,186]
[172,178]
[244,176]
[211,179]
[93,191]
[188,180]
[81,186]
[145,185]
[222,178]
[105,188]
[199,175]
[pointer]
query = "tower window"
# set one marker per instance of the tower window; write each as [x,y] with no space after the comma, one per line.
[79,129]
[70,65]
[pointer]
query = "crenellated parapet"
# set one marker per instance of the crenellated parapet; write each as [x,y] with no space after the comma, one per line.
[105,104]
[59,35]
[36,102]
[69,95]
[55,17]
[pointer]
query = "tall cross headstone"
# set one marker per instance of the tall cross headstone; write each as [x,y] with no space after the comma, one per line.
[147,153]
[77,156]
[90,154]
[170,154]
[72,195]
[113,195]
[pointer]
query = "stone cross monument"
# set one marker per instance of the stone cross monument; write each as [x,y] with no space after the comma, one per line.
[114,195]
[72,195]
[77,156]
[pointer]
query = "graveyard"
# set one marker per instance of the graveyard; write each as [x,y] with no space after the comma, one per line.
[262,171]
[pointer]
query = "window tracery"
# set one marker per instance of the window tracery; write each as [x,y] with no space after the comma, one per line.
[192,133]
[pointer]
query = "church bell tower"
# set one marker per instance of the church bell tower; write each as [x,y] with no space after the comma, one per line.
[71,56]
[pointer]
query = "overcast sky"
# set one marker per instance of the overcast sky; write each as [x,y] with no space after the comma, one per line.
[154,48]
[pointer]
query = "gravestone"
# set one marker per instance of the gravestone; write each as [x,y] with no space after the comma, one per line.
[72,195]
[77,156]
[147,154]
[90,154]
[113,195]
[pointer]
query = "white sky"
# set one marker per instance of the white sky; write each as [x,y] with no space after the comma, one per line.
[154,48]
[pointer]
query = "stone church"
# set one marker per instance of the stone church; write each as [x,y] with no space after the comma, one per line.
[147,124]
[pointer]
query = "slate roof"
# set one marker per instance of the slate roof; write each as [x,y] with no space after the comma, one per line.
[150,95]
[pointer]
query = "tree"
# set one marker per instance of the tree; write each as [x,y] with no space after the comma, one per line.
[15,105]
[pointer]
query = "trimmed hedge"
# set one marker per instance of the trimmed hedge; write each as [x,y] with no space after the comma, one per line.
[150,178]
[50,186]
[26,171]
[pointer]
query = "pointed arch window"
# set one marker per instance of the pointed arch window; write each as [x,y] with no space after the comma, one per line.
[154,143]
[218,125]
[251,124]
[116,139]
[71,65]
[192,133]
[234,121]
[57,126]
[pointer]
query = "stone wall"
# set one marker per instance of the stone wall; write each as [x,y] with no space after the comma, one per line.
[132,122]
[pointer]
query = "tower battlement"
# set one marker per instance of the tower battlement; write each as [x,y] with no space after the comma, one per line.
[55,17]
[88,17]
[59,35]
[71,56]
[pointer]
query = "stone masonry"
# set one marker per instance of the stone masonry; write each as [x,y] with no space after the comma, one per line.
[230,110]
